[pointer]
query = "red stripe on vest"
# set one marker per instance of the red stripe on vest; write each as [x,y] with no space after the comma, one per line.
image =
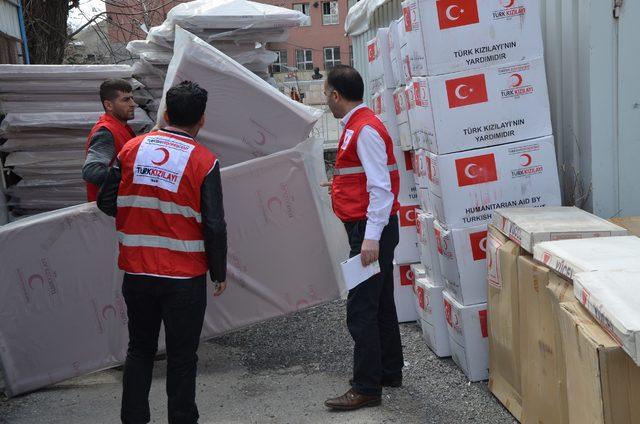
[121,134]
[349,194]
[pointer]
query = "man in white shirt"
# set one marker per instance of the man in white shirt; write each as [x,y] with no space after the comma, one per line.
[364,193]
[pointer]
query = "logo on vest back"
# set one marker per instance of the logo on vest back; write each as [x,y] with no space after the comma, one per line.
[161,161]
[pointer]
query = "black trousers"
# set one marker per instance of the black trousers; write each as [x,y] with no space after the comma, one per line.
[371,315]
[180,304]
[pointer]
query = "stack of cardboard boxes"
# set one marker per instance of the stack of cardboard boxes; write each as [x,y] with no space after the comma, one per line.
[549,359]
[477,111]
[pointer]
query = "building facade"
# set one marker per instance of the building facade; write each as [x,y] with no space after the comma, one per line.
[322,43]
[12,35]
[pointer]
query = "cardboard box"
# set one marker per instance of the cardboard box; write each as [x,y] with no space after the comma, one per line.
[382,106]
[406,63]
[544,391]
[465,34]
[428,246]
[466,187]
[402,118]
[631,223]
[380,72]
[485,107]
[603,383]
[468,337]
[415,43]
[418,270]
[423,199]
[432,317]
[408,193]
[612,298]
[418,110]
[421,168]
[504,321]
[407,249]
[568,257]
[462,254]
[527,226]
[397,38]
[403,281]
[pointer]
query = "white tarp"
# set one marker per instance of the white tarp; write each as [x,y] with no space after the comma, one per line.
[61,309]
[246,117]
[359,16]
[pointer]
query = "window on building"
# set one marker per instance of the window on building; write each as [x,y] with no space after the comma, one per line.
[303,8]
[331,57]
[330,13]
[304,59]
[351,56]
[280,64]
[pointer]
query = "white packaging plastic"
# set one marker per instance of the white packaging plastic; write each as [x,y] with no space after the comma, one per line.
[462,255]
[468,337]
[395,43]
[466,187]
[269,123]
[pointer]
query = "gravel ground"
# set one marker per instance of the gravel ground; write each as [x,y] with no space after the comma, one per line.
[279,371]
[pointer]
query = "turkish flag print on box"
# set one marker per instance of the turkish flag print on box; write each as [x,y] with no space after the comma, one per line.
[456,13]
[408,215]
[476,170]
[467,91]
[406,275]
[371,49]
[478,245]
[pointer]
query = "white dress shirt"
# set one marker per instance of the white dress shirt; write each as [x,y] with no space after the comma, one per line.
[373,154]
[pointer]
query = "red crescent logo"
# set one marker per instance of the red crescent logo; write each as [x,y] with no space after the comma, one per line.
[273,200]
[517,79]
[165,158]
[263,141]
[34,278]
[511,2]
[527,159]
[108,308]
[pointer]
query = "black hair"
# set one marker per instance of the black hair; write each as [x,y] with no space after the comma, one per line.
[110,88]
[186,103]
[346,81]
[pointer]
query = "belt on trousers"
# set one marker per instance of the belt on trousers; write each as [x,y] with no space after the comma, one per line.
[359,170]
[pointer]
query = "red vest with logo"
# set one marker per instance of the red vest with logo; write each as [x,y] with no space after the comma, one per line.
[159,211]
[121,134]
[349,189]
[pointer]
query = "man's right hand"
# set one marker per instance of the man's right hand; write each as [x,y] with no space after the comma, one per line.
[219,288]
[327,184]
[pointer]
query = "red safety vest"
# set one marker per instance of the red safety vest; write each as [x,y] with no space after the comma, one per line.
[121,134]
[349,189]
[159,212]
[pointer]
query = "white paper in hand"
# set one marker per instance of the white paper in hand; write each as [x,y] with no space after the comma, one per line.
[354,273]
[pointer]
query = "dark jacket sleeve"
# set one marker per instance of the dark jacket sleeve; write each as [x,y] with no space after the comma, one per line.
[108,195]
[214,225]
[102,149]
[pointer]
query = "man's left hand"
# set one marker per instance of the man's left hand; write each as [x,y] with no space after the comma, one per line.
[369,251]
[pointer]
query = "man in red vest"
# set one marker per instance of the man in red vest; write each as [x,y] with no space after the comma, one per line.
[165,192]
[109,134]
[364,194]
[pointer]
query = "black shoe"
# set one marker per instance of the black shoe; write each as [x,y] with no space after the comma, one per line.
[386,383]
